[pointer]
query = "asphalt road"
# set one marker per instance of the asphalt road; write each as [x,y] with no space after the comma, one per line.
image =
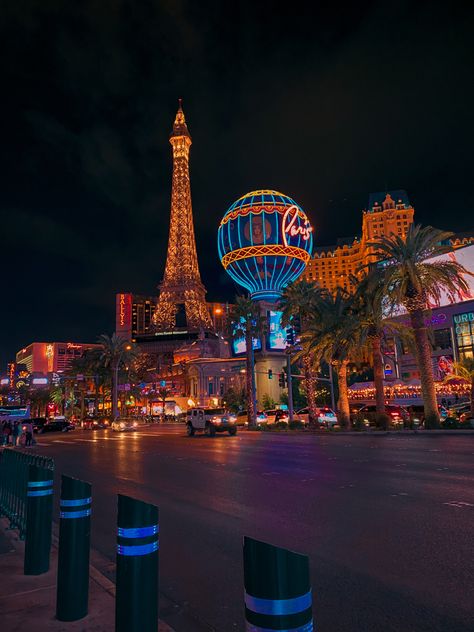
[388,521]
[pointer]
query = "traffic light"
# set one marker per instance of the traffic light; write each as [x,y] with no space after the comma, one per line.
[270,374]
[282,380]
[290,336]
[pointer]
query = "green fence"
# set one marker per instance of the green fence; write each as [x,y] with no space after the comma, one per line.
[14,465]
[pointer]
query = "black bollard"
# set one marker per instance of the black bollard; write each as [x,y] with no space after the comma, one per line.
[74,548]
[39,516]
[136,600]
[277,589]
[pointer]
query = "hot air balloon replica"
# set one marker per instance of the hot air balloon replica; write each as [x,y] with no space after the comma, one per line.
[265,240]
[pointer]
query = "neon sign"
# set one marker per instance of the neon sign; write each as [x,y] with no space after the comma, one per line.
[71,345]
[290,226]
[122,310]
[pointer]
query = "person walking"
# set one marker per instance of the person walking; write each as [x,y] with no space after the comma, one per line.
[29,434]
[6,432]
[16,433]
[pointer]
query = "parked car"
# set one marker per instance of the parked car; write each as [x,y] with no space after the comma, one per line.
[326,416]
[276,416]
[56,425]
[38,423]
[122,425]
[210,421]
[398,415]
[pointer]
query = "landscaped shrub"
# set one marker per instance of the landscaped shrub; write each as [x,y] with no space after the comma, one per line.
[296,424]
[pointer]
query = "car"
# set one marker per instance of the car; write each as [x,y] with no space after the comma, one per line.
[38,423]
[96,423]
[56,425]
[210,421]
[326,416]
[276,416]
[123,425]
[398,415]
[242,418]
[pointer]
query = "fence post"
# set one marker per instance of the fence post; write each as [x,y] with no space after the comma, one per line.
[277,588]
[39,515]
[74,548]
[136,600]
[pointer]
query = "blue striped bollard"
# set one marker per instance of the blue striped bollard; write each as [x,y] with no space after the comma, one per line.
[72,597]
[277,589]
[136,595]
[39,516]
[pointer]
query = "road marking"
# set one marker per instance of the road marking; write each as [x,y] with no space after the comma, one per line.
[59,441]
[460,504]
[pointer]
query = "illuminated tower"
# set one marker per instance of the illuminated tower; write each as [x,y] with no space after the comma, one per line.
[181,302]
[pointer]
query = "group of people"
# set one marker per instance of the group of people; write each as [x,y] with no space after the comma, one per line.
[17,433]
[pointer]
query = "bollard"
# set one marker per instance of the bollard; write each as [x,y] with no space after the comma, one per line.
[136,600]
[277,589]
[74,548]
[39,516]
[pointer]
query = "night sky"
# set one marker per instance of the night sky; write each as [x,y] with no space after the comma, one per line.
[324,104]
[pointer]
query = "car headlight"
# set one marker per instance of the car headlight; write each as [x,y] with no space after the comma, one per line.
[122,425]
[135,424]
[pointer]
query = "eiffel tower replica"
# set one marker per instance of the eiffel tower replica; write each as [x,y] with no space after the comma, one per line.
[181,302]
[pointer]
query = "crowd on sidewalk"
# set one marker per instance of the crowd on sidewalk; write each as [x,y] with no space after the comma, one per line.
[17,433]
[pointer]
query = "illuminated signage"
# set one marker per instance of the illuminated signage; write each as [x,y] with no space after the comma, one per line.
[276,333]
[468,317]
[122,310]
[71,345]
[290,227]
[39,380]
[49,351]
[4,381]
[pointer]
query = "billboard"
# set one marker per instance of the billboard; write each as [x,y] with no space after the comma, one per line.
[276,339]
[239,345]
[463,256]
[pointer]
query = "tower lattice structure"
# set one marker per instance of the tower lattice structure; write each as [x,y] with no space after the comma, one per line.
[181,289]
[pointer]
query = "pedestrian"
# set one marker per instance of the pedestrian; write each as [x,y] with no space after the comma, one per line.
[16,433]
[6,432]
[29,434]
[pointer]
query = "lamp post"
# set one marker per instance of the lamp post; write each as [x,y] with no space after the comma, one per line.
[115,383]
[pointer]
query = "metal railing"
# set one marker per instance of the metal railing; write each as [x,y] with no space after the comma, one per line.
[14,468]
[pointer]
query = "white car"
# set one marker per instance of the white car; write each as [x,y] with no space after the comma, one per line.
[277,415]
[209,421]
[122,425]
[326,416]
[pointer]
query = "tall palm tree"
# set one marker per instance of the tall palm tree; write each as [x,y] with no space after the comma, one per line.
[246,322]
[298,301]
[333,334]
[414,282]
[464,370]
[114,353]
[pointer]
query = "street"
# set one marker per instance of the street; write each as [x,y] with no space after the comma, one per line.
[388,521]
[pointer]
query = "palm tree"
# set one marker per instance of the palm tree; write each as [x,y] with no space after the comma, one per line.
[246,322]
[333,335]
[114,353]
[464,370]
[298,301]
[414,282]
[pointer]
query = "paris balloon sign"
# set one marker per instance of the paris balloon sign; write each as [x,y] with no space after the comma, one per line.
[265,240]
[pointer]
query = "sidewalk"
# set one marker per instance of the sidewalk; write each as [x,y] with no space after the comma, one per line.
[28,603]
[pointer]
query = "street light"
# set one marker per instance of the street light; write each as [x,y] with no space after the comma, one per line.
[115,383]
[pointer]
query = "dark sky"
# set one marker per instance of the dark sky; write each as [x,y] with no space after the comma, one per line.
[321,101]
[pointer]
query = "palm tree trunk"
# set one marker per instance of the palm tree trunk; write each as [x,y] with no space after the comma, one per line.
[378,375]
[251,412]
[309,387]
[423,358]
[343,401]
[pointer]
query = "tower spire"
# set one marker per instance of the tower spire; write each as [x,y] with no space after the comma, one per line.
[181,300]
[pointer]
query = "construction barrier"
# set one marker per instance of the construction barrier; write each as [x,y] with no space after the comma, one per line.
[72,597]
[14,471]
[277,589]
[39,516]
[136,598]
